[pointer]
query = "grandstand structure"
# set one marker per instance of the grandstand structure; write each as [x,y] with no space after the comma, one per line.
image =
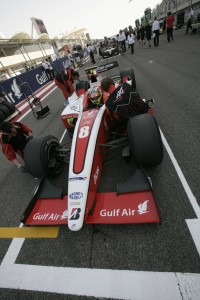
[21,52]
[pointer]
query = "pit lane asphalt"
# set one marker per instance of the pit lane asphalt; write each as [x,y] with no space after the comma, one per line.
[170,75]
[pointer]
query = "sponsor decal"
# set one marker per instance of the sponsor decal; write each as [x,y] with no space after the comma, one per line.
[16,89]
[74,107]
[67,64]
[75,214]
[126,212]
[74,203]
[76,195]
[117,212]
[119,95]
[142,208]
[77,178]
[88,115]
[86,122]
[41,78]
[96,174]
[64,215]
[50,216]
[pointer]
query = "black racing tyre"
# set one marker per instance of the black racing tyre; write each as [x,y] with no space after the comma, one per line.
[10,105]
[145,140]
[2,117]
[40,157]
[83,85]
[5,110]
[129,73]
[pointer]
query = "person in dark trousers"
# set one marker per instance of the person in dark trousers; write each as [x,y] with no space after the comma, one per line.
[155,30]
[169,24]
[90,51]
[122,103]
[189,25]
[142,34]
[138,35]
[148,33]
[13,138]
[131,41]
[122,40]
[65,83]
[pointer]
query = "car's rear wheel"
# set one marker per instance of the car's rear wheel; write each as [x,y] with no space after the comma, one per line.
[2,117]
[145,140]
[128,73]
[40,157]
[5,110]
[10,105]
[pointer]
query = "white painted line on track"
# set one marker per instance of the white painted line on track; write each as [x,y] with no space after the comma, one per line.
[185,185]
[194,224]
[110,284]
[25,114]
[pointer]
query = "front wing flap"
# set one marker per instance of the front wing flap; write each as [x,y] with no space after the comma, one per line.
[111,208]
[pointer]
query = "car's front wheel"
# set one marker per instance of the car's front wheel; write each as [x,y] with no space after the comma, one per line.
[40,157]
[145,140]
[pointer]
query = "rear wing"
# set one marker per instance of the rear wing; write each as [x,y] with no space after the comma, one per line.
[107,67]
[102,68]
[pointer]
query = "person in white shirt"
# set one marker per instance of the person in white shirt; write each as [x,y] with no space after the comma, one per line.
[122,40]
[48,69]
[90,51]
[189,22]
[155,31]
[191,13]
[131,41]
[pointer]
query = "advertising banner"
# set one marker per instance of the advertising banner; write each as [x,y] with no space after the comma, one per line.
[35,79]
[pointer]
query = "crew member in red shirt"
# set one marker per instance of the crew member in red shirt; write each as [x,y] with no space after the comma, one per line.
[169,24]
[65,83]
[13,138]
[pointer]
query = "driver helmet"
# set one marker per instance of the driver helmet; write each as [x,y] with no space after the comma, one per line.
[96,95]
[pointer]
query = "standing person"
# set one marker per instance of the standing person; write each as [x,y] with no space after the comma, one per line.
[190,20]
[142,33]
[148,33]
[138,35]
[48,72]
[122,40]
[131,41]
[49,61]
[169,24]
[65,83]
[13,138]
[155,30]
[164,25]
[90,51]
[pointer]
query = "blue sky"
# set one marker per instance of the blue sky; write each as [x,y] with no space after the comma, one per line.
[100,17]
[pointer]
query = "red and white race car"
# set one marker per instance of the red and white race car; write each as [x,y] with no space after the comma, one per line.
[131,202]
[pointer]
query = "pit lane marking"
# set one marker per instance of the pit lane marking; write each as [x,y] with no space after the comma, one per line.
[28,232]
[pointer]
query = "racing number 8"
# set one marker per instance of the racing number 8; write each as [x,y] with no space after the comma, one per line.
[84,132]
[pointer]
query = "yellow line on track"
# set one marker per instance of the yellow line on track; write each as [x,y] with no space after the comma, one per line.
[28,232]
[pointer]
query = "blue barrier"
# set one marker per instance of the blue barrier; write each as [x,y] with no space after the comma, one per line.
[35,78]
